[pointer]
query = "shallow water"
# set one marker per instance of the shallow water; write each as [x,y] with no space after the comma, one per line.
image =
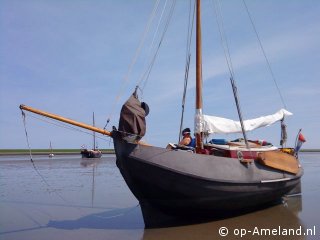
[67,197]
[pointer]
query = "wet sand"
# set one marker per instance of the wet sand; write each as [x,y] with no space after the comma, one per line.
[67,197]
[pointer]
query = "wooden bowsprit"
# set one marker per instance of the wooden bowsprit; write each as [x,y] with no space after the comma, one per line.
[72,122]
[66,120]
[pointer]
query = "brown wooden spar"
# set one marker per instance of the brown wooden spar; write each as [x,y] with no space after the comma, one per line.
[66,120]
[199,140]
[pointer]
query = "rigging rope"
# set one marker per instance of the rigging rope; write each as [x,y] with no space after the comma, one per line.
[217,7]
[59,124]
[224,42]
[223,37]
[283,138]
[25,130]
[264,54]
[235,94]
[146,75]
[134,60]
[188,57]
[153,40]
[49,188]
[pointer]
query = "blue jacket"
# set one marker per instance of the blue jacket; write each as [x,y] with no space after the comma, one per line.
[192,143]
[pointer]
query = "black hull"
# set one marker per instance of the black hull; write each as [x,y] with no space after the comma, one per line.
[181,184]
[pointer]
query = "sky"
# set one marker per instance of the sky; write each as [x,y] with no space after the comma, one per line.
[77,57]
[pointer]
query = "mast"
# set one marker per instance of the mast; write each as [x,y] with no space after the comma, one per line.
[94,133]
[198,114]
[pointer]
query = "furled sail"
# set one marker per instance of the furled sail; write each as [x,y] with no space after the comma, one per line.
[214,124]
[132,118]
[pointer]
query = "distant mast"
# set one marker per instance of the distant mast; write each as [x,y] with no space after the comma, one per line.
[51,152]
[94,133]
[198,113]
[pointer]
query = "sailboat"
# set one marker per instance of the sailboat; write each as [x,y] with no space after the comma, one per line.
[213,179]
[92,153]
[51,155]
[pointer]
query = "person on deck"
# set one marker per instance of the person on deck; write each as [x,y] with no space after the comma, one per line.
[187,140]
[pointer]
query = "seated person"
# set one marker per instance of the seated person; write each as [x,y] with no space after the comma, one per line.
[187,142]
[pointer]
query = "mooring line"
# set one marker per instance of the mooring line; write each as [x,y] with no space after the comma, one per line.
[33,163]
[37,170]
[25,130]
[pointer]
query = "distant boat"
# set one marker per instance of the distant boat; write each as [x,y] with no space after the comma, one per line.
[51,155]
[92,153]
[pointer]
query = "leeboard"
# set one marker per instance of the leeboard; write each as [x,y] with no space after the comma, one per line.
[279,160]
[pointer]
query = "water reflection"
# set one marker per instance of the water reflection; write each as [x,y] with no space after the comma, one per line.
[92,163]
[126,218]
[89,197]
[284,215]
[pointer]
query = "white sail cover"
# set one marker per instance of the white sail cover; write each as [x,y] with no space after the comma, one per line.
[214,124]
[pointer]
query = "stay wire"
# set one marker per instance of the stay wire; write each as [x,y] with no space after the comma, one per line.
[223,37]
[226,49]
[225,45]
[188,51]
[264,54]
[153,42]
[133,62]
[56,123]
[188,57]
[148,71]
